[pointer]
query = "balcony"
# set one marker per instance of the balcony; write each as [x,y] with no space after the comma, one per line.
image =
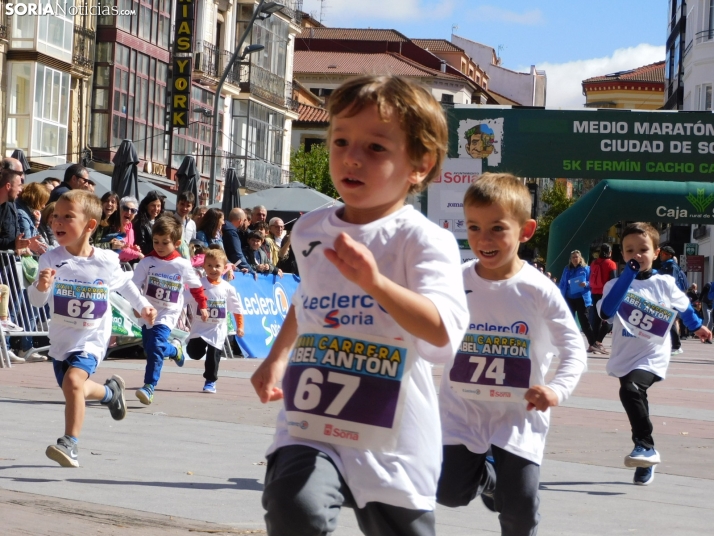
[261,175]
[292,9]
[262,83]
[83,51]
[211,62]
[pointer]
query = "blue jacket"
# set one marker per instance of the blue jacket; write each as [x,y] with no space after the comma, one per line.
[569,273]
[233,246]
[25,220]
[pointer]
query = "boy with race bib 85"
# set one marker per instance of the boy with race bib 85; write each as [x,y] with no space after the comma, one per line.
[162,275]
[519,320]
[76,279]
[380,299]
[642,305]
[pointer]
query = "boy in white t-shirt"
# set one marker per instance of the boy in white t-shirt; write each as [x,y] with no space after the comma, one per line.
[642,305]
[207,337]
[380,297]
[490,390]
[162,276]
[76,279]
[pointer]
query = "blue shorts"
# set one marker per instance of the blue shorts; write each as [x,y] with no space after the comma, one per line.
[81,360]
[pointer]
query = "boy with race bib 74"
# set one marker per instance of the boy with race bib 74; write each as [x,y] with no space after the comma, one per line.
[380,298]
[490,390]
[642,305]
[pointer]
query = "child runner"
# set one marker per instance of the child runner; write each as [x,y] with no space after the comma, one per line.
[490,390]
[380,298]
[78,278]
[207,337]
[642,304]
[162,275]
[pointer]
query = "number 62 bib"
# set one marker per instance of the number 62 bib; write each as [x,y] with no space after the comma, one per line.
[492,366]
[645,319]
[79,305]
[347,389]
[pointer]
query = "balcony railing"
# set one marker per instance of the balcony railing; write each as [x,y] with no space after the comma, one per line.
[260,175]
[212,62]
[706,35]
[262,83]
[292,9]
[83,53]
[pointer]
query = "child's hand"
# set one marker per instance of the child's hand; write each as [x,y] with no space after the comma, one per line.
[241,333]
[354,261]
[45,279]
[204,314]
[229,275]
[264,379]
[148,314]
[704,334]
[541,398]
[136,313]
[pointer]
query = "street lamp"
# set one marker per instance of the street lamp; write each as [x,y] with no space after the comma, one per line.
[264,10]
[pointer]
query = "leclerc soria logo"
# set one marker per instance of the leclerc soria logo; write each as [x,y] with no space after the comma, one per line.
[282,303]
[520,327]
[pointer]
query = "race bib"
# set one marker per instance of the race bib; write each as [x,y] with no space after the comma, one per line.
[79,305]
[492,366]
[216,311]
[347,390]
[162,290]
[645,319]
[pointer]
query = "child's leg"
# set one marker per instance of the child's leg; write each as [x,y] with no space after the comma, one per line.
[516,494]
[633,395]
[464,476]
[4,300]
[196,348]
[303,492]
[213,360]
[157,348]
[389,520]
[77,388]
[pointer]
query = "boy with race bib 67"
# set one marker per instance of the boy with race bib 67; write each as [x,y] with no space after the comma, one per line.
[490,390]
[642,305]
[380,298]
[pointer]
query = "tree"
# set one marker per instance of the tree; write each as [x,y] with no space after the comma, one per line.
[558,202]
[313,169]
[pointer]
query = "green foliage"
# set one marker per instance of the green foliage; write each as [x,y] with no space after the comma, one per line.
[558,202]
[313,169]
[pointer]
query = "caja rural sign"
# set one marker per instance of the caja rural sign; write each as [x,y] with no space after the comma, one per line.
[597,144]
[182,64]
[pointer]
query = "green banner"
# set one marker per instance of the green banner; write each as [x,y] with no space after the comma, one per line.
[589,144]
[123,326]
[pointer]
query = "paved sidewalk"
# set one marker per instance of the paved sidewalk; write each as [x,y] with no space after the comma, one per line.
[193,463]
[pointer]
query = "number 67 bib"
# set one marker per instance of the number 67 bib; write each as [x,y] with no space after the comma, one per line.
[79,305]
[645,319]
[347,389]
[492,366]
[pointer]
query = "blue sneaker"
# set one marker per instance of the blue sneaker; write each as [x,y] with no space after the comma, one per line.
[642,457]
[644,475]
[487,495]
[179,352]
[210,387]
[146,394]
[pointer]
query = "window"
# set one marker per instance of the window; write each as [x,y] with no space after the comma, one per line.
[705,102]
[258,137]
[50,118]
[272,33]
[19,104]
[58,30]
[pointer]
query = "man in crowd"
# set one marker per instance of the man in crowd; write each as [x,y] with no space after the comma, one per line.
[234,232]
[76,176]
[51,183]
[276,228]
[259,214]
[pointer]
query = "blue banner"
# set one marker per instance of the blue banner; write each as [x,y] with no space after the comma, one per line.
[265,301]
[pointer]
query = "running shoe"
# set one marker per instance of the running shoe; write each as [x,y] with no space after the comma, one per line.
[644,475]
[210,387]
[117,405]
[642,457]
[146,394]
[65,452]
[179,352]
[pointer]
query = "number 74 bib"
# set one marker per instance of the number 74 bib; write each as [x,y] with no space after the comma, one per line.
[645,319]
[347,389]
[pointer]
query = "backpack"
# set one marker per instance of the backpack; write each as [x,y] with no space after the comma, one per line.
[680,278]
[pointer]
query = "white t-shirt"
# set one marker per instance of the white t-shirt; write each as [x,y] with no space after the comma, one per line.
[162,282]
[189,230]
[527,305]
[81,315]
[414,253]
[222,301]
[630,352]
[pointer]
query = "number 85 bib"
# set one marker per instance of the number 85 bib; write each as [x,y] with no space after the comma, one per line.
[492,366]
[645,319]
[347,389]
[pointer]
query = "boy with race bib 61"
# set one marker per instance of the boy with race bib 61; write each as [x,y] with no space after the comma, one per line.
[642,305]
[380,298]
[519,320]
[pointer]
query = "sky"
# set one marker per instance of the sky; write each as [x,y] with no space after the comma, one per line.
[570,40]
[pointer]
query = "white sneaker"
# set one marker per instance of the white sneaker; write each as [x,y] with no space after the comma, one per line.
[32,356]
[7,325]
[14,358]
[677,351]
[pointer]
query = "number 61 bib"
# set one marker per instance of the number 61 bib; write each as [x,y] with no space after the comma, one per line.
[79,305]
[347,389]
[492,366]
[645,319]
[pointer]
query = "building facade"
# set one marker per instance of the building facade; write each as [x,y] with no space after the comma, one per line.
[637,89]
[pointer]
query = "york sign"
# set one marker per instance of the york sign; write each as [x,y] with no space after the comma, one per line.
[182,64]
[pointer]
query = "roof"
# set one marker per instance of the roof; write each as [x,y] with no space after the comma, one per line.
[354,63]
[437,45]
[353,34]
[312,114]
[503,100]
[654,72]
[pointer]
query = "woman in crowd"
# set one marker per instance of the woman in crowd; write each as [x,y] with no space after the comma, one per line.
[150,208]
[129,249]
[209,230]
[110,232]
[575,287]
[32,200]
[45,227]
[198,214]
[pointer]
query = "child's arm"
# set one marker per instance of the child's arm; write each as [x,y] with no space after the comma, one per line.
[121,282]
[39,292]
[235,307]
[195,287]
[271,371]
[611,301]
[417,314]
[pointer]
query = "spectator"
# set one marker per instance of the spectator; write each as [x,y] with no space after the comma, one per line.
[198,214]
[51,183]
[269,246]
[208,231]
[706,298]
[184,205]
[288,262]
[130,251]
[88,185]
[31,201]
[110,204]
[233,241]
[75,177]
[259,215]
[249,215]
[45,227]
[692,293]
[602,270]
[110,233]
[150,208]
[276,228]
[575,287]
[257,258]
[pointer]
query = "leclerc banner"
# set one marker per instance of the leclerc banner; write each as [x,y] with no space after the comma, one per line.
[585,144]
[265,301]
